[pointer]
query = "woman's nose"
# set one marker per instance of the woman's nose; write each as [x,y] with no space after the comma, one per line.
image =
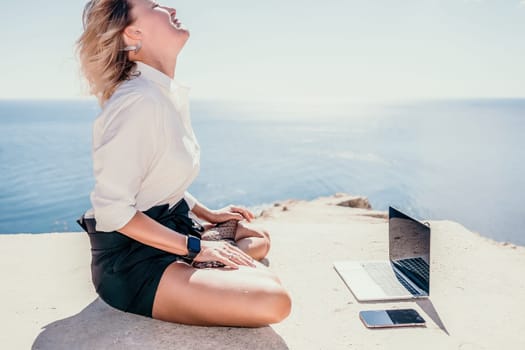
[172,11]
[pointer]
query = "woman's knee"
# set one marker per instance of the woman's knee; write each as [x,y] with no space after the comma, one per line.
[266,234]
[256,247]
[265,248]
[269,302]
[267,239]
[272,304]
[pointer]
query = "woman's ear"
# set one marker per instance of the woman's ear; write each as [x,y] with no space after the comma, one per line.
[132,34]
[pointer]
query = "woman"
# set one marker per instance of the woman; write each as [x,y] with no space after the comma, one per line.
[145,246]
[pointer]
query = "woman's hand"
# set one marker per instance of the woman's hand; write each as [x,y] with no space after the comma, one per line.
[228,213]
[225,253]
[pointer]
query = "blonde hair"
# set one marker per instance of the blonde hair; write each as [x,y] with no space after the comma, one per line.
[99,48]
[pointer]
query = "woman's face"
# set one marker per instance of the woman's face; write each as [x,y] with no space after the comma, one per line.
[162,35]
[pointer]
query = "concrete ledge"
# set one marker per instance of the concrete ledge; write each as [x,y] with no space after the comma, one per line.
[477,289]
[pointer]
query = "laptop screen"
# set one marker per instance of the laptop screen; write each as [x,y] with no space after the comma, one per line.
[409,247]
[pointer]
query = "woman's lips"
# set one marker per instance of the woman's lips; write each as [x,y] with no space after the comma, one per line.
[176,22]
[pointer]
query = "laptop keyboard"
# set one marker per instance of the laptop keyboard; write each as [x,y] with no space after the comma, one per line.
[417,265]
[388,279]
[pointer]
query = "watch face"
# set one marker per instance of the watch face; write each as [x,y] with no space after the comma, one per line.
[194,244]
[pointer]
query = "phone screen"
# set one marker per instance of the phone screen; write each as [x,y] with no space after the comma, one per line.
[391,318]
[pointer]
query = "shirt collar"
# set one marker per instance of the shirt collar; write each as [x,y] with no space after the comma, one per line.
[158,77]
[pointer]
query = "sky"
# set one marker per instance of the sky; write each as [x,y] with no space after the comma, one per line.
[298,50]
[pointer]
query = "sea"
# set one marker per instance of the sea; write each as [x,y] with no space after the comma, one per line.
[460,160]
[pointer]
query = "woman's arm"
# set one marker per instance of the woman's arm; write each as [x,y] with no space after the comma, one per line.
[148,231]
[215,216]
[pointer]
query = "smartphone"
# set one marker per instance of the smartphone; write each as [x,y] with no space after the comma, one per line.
[391,318]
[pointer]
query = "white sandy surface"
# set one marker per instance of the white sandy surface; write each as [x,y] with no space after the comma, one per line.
[477,291]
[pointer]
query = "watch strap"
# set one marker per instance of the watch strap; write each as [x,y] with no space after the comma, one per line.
[194,248]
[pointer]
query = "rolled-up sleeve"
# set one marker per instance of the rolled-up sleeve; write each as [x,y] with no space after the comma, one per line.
[188,197]
[123,152]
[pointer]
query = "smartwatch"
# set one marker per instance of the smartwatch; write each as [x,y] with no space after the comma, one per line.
[193,244]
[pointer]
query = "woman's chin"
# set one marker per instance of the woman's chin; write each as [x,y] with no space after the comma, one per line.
[179,37]
[183,32]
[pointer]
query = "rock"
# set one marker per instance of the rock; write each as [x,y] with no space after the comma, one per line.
[265,214]
[357,202]
[463,306]
[377,215]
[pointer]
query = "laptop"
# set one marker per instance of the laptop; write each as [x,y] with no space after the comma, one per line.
[406,275]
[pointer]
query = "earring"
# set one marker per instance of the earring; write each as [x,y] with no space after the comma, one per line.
[135,48]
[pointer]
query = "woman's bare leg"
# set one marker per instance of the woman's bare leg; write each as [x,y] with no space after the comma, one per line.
[253,240]
[247,297]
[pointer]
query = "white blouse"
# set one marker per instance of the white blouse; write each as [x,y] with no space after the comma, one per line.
[144,150]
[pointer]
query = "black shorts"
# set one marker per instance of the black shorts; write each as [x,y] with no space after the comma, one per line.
[125,272]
